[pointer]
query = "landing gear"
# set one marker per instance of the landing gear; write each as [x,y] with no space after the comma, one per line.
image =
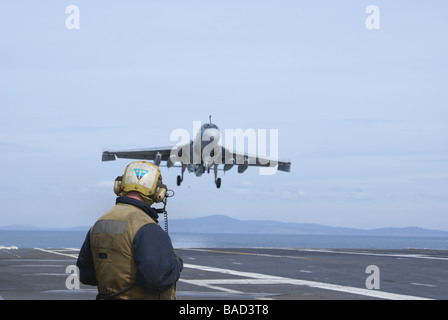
[217,180]
[181,178]
[199,170]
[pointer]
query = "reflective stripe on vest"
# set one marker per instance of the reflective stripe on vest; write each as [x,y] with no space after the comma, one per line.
[109,226]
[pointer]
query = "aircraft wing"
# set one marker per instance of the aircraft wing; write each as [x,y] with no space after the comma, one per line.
[243,159]
[156,154]
[228,158]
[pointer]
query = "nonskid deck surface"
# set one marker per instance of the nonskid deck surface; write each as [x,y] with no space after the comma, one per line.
[248,273]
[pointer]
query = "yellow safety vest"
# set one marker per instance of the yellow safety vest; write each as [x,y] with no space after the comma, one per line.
[111,241]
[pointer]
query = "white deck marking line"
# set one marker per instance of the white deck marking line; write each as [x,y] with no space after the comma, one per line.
[423,284]
[207,284]
[187,281]
[57,252]
[269,279]
[68,249]
[397,255]
[5,249]
[249,253]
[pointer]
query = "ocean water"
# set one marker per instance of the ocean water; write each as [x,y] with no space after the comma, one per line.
[74,239]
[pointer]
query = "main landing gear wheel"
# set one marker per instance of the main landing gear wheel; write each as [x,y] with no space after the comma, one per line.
[181,178]
[217,180]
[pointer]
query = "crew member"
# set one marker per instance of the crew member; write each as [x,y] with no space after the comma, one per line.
[126,253]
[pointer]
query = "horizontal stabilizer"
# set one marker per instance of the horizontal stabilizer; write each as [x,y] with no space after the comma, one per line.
[107,156]
[284,166]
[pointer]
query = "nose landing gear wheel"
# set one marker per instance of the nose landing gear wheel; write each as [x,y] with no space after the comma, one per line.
[179,180]
[218,183]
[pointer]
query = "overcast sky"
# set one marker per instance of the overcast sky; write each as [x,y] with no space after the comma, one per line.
[361,113]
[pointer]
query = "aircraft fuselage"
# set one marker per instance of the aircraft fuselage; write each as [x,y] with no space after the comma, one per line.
[205,149]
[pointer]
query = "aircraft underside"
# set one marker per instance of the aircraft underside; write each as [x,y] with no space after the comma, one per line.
[198,170]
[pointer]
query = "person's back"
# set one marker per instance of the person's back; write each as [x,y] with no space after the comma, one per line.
[127,254]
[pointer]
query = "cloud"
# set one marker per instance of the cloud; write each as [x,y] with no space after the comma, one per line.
[292,195]
[364,121]
[246,183]
[245,188]
[104,184]
[241,191]
[359,194]
[100,186]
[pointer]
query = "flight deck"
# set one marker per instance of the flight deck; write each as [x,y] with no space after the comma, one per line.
[248,274]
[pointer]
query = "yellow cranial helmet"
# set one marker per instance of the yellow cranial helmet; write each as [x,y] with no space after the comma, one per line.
[144,178]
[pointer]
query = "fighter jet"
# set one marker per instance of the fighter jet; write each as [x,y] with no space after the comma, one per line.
[199,155]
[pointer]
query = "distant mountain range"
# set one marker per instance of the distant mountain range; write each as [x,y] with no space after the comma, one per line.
[224,224]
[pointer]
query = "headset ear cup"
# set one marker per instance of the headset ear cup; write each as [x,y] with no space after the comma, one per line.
[160,192]
[117,185]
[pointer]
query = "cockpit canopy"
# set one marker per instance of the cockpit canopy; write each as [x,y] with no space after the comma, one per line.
[209,126]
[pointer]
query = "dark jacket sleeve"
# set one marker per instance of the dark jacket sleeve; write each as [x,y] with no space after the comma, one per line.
[85,263]
[158,266]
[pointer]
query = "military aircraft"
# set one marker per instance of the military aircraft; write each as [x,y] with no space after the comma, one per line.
[206,153]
